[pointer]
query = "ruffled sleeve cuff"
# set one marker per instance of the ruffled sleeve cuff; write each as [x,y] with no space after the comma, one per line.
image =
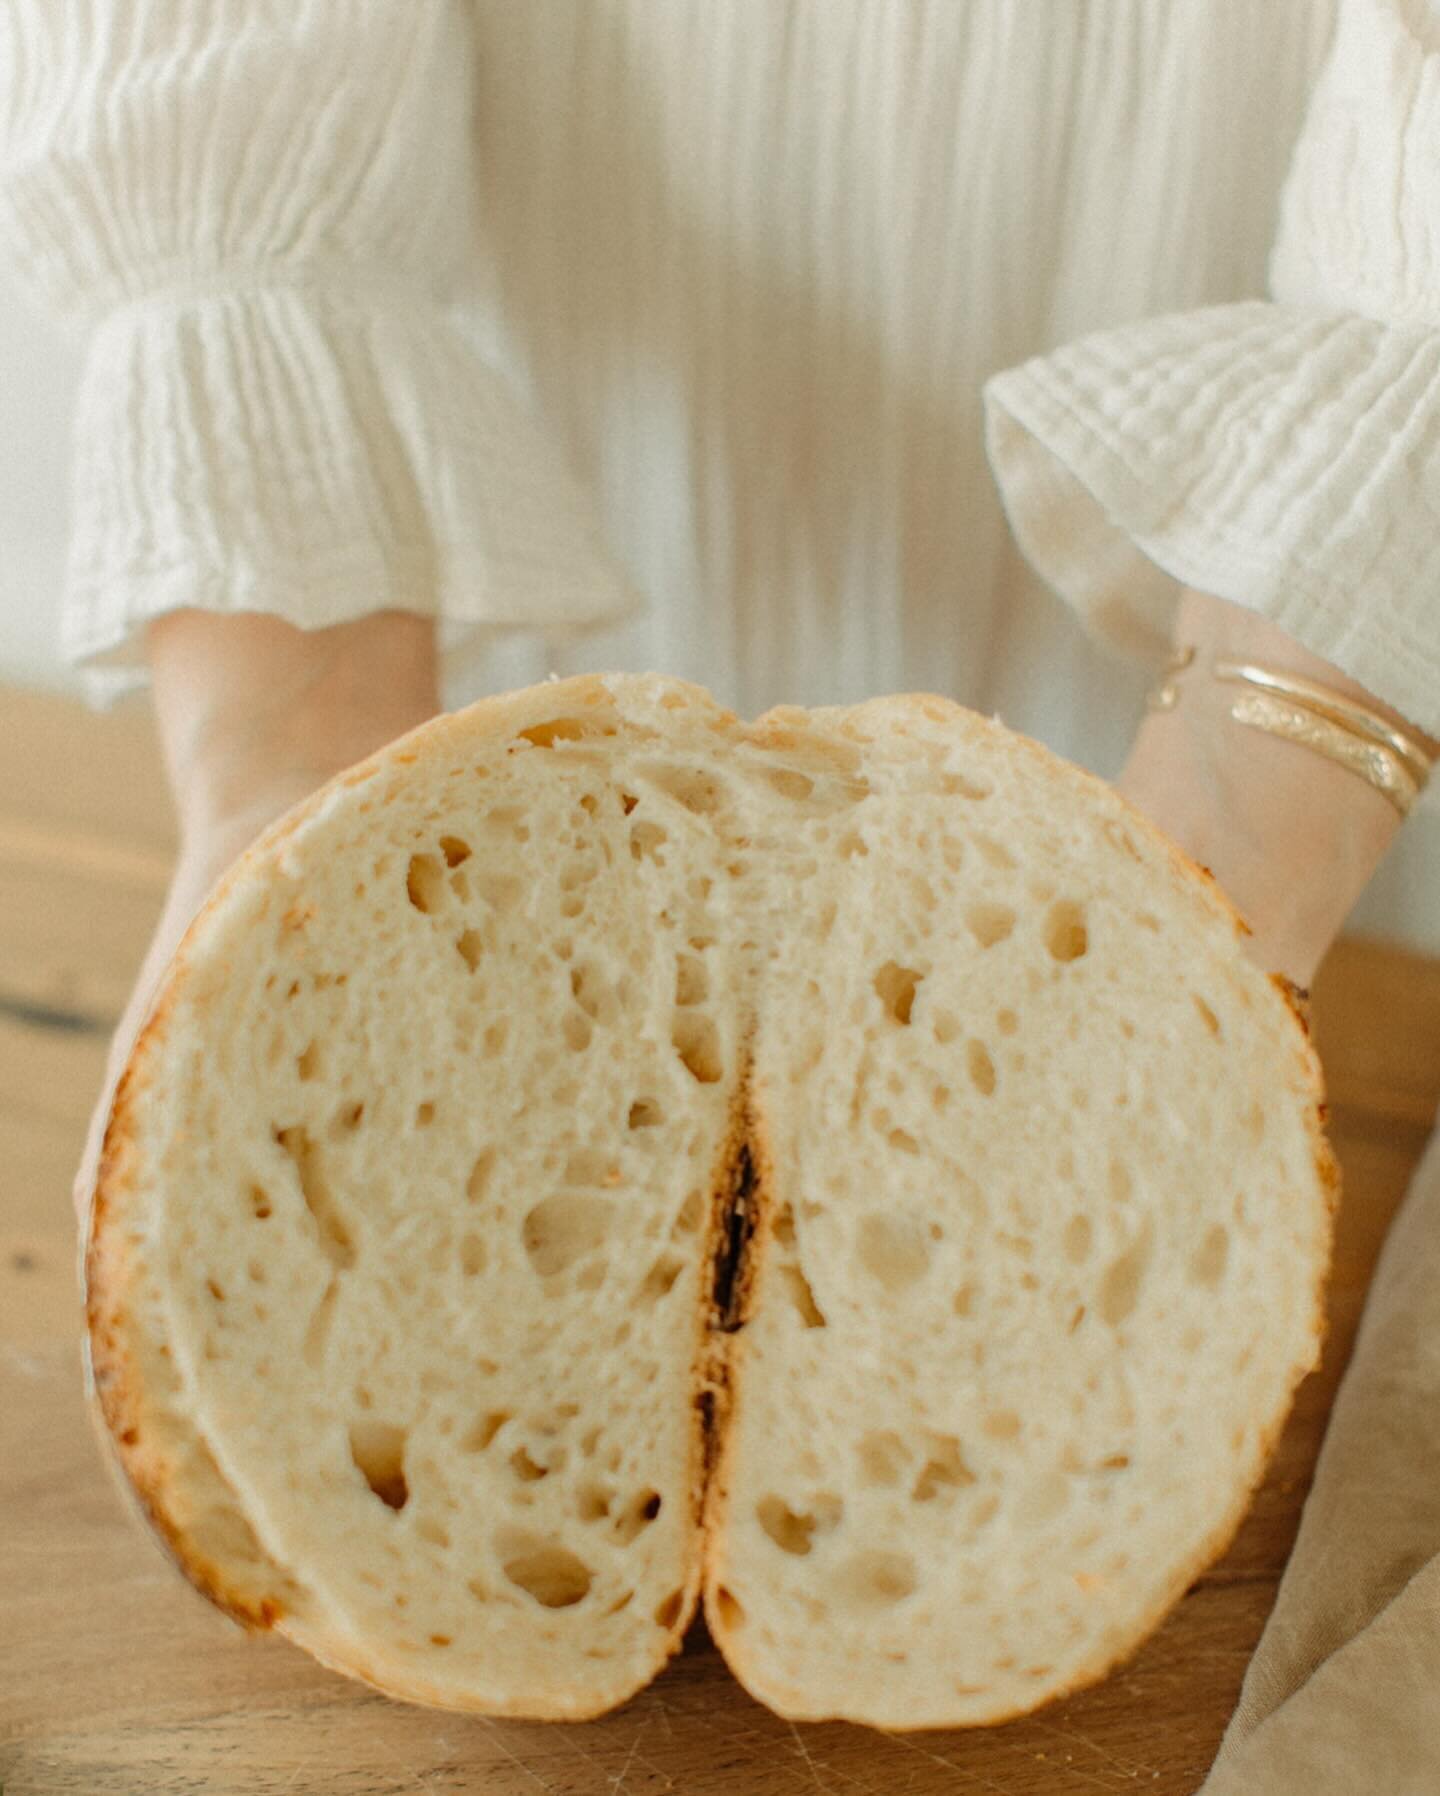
[1283,458]
[259,217]
[1286,455]
[318,456]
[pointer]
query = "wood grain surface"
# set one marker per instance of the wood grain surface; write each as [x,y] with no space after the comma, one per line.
[115,1680]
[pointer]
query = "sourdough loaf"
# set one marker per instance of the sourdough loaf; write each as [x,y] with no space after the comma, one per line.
[598,1153]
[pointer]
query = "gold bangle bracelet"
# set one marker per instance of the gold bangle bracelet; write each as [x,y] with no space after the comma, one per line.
[1375,762]
[1348,713]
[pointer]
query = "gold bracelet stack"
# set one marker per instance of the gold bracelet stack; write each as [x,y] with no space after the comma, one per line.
[1313,716]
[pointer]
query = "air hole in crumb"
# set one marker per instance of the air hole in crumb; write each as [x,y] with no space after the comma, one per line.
[469,946]
[980,1067]
[1120,1287]
[636,1516]
[561,729]
[883,1458]
[347,1119]
[904,1141]
[433,1532]
[790,783]
[378,1450]
[667,1612]
[852,845]
[424,1114]
[473,1256]
[591,993]
[593,1502]
[960,785]
[1006,1022]
[307,1064]
[526,1469]
[576,1030]
[797,1289]
[260,1206]
[791,1529]
[697,1042]
[330,1226]
[479,1437]
[946,1025]
[1077,1239]
[501,891]
[728,1611]
[877,1578]
[1207,1015]
[212,1286]
[896,987]
[646,839]
[560,1230]
[989,923]
[894,1250]
[440,1640]
[480,1175]
[454,850]
[690,1214]
[689,786]
[964,1300]
[1066,936]
[494,1039]
[995,852]
[1002,1425]
[588,1166]
[425,883]
[645,1113]
[1207,1264]
[551,1574]
[660,1279]
[692,982]
[943,1472]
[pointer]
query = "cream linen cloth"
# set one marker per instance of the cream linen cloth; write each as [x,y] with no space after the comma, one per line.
[753,261]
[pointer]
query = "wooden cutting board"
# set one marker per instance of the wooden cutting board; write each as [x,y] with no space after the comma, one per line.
[115,1680]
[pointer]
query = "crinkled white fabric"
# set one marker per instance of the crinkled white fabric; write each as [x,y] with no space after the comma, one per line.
[259,214]
[1284,455]
[750,267]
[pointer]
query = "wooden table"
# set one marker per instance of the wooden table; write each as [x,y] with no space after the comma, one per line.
[116,1681]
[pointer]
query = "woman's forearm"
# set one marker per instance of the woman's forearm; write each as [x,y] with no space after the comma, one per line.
[253,713]
[1292,837]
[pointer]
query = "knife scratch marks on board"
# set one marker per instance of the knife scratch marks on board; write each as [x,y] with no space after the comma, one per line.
[495,1732]
[618,1783]
[810,1765]
[978,1780]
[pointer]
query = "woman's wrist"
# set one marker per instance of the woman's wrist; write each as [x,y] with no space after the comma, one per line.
[254,713]
[1292,838]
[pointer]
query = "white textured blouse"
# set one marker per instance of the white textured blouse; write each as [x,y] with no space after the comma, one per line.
[672,333]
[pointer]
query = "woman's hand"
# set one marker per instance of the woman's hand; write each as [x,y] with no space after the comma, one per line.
[1292,838]
[254,715]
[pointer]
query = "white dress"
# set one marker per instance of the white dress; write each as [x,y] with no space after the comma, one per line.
[658,333]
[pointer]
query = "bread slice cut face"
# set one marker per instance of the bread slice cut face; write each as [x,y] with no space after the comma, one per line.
[599,1156]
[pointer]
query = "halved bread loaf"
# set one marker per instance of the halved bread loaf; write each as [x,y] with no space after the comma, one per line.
[598,1147]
